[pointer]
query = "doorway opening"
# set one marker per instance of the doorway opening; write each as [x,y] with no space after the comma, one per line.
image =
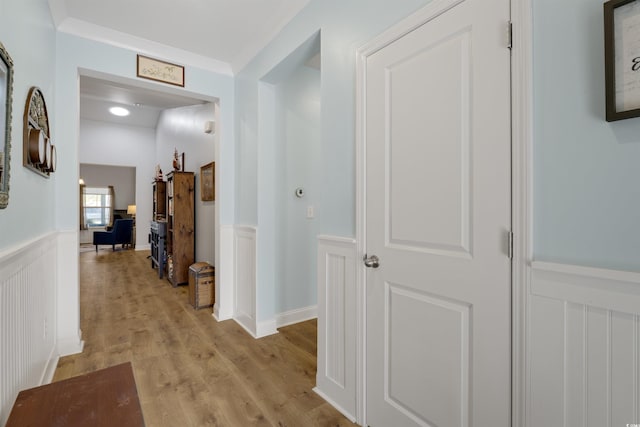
[289,182]
[297,189]
[157,124]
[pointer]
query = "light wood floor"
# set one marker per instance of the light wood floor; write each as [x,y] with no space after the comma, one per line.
[191,370]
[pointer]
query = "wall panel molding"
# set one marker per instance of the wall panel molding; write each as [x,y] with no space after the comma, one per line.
[583,339]
[224,306]
[28,332]
[244,267]
[337,322]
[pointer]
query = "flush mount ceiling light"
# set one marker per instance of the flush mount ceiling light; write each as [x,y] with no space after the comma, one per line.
[119,111]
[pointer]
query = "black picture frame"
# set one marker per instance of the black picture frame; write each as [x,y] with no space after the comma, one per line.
[622,59]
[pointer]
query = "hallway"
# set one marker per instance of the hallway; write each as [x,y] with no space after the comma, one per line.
[191,370]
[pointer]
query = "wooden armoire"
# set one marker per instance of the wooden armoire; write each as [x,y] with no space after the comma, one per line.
[181,236]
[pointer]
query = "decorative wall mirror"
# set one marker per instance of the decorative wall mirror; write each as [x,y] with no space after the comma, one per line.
[6,90]
[39,155]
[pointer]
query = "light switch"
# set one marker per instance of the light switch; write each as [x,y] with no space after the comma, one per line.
[309,211]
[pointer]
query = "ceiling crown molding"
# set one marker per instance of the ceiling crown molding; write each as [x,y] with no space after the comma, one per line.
[143,46]
[58,10]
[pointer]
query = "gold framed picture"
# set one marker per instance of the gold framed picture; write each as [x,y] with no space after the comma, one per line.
[207,182]
[160,71]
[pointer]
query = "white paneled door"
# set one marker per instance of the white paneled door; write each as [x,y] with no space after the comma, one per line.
[436,129]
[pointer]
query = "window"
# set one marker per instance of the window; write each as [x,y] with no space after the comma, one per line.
[97,205]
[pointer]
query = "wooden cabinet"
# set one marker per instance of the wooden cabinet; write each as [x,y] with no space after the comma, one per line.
[159,200]
[158,253]
[180,241]
[159,226]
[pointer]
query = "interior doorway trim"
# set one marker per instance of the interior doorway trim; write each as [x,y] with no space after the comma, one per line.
[521,181]
[522,197]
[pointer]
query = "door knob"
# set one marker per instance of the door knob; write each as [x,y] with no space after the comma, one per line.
[372,262]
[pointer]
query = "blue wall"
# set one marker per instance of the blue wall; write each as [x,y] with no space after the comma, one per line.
[343,27]
[78,55]
[586,170]
[298,150]
[31,44]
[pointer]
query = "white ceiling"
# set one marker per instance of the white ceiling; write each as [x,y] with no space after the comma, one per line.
[217,32]
[219,35]
[145,105]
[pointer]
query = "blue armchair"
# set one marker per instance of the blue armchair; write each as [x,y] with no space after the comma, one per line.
[120,234]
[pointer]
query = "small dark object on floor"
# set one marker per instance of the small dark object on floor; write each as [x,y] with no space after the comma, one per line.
[107,397]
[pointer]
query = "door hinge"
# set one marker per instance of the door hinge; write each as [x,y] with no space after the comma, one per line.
[510,244]
[510,35]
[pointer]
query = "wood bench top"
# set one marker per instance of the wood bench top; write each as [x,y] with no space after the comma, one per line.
[107,397]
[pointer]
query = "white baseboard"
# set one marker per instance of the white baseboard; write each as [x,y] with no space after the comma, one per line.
[257,329]
[266,328]
[216,313]
[145,247]
[70,345]
[50,369]
[349,416]
[296,316]
[247,324]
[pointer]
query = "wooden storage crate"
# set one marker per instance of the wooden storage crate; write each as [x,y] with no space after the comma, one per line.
[202,286]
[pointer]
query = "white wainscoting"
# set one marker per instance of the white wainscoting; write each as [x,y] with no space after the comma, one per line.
[224,306]
[583,364]
[28,355]
[244,261]
[337,335]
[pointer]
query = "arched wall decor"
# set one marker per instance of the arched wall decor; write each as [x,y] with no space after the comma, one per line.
[39,154]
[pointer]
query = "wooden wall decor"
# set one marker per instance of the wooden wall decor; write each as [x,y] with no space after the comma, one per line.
[160,71]
[207,182]
[39,154]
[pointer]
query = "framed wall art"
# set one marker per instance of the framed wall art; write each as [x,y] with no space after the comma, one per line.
[207,182]
[160,71]
[622,59]
[6,99]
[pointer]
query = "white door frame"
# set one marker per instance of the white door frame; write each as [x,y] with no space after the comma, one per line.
[521,200]
[522,197]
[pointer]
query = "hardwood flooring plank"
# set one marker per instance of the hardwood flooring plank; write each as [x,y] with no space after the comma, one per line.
[191,370]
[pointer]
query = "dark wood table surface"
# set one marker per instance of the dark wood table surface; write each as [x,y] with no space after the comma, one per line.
[107,397]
